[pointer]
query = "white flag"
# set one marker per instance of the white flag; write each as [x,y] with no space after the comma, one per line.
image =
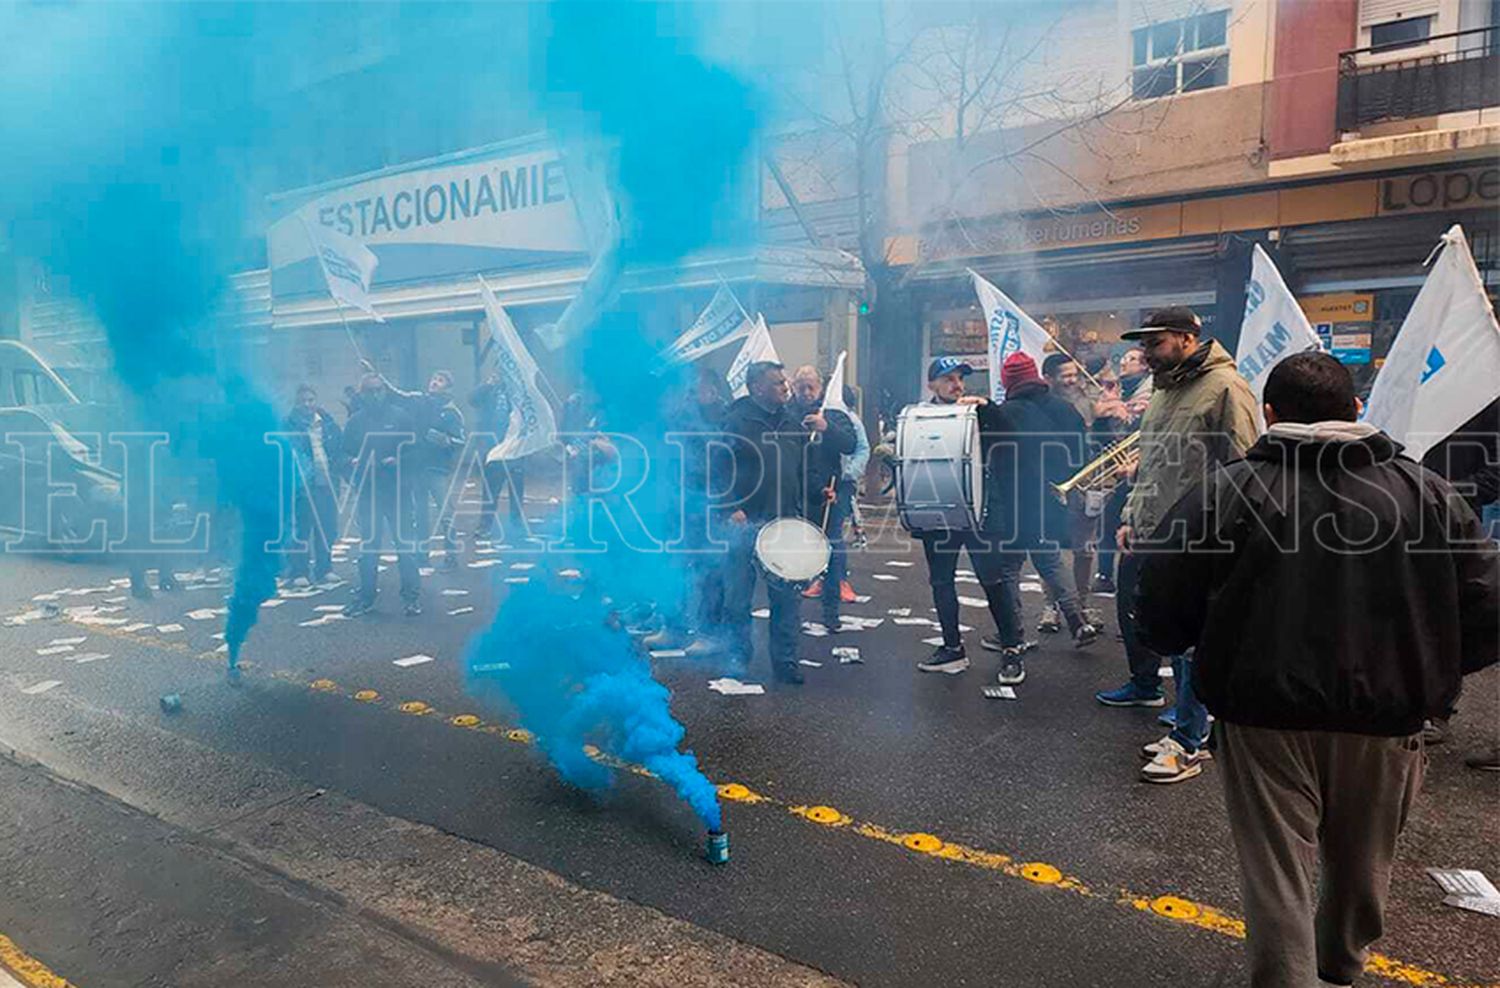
[833,395]
[532,424]
[347,264]
[1275,325]
[1010,331]
[758,347]
[1444,366]
[720,323]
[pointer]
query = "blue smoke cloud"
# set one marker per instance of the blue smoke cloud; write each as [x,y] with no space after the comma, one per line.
[624,76]
[130,208]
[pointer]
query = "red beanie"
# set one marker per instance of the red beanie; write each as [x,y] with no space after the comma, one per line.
[1018,369]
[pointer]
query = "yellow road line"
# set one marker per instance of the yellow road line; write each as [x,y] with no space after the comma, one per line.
[32,972]
[1165,906]
[1168,907]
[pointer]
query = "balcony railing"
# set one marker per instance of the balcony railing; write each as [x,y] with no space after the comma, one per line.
[1463,75]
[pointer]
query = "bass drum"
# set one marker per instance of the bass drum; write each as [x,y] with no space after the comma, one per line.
[939,468]
[791,552]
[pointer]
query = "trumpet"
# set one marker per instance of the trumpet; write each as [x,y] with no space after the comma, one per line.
[1102,473]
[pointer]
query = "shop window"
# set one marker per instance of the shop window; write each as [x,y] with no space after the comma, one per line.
[1180,56]
[1401,34]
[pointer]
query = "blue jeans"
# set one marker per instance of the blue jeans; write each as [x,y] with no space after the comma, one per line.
[838,557]
[1191,730]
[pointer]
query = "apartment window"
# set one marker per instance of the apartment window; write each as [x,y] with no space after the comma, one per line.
[1181,56]
[1401,34]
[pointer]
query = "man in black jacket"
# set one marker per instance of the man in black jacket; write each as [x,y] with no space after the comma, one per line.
[377,443]
[769,449]
[1038,440]
[1336,593]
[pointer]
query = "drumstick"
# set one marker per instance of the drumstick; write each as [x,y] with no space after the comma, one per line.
[828,502]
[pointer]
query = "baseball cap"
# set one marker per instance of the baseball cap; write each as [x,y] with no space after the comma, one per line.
[1174,319]
[947,365]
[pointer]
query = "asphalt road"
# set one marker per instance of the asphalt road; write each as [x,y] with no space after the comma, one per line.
[887,827]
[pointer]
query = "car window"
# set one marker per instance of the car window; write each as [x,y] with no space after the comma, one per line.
[34,388]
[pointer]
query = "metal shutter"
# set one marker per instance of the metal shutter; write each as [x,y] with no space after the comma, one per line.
[1384,11]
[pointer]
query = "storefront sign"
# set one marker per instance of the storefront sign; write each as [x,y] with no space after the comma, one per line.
[1338,307]
[1469,188]
[1343,322]
[1051,232]
[1350,348]
[468,214]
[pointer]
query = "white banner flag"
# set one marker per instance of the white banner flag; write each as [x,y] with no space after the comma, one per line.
[833,395]
[533,426]
[1444,366]
[721,322]
[347,266]
[1275,325]
[758,347]
[1010,331]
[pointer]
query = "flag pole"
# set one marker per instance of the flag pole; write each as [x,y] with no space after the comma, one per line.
[737,304]
[338,306]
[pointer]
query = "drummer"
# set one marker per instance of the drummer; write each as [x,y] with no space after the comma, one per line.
[945,379]
[769,446]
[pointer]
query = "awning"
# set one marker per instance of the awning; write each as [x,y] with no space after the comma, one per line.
[804,267]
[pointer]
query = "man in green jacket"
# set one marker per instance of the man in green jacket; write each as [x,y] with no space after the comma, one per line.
[1202,413]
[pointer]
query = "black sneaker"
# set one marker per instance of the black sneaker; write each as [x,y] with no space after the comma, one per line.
[1086,634]
[412,609]
[789,673]
[358,607]
[1012,671]
[1103,584]
[946,660]
[167,583]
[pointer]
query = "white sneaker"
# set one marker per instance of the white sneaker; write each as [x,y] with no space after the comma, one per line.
[301,582]
[1173,763]
[1051,623]
[1157,747]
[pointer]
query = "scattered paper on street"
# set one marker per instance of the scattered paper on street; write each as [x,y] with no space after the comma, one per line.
[1464,882]
[482,563]
[454,592]
[413,660]
[810,662]
[168,629]
[54,650]
[1031,586]
[899,612]
[460,610]
[69,641]
[973,602]
[899,562]
[883,577]
[847,655]
[764,613]
[733,687]
[518,579]
[42,687]
[85,657]
[668,653]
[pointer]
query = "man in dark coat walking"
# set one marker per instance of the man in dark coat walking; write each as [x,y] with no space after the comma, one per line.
[1038,440]
[1336,593]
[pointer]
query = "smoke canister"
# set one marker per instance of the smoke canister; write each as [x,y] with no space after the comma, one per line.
[171,703]
[716,849]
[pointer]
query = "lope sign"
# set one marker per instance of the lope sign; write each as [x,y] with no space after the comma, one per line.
[1469,188]
[485,210]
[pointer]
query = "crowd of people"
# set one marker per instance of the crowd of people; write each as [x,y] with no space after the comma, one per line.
[1315,596]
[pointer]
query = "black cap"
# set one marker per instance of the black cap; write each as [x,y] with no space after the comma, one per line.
[947,365]
[1172,319]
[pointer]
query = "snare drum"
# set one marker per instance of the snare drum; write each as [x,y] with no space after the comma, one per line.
[939,468]
[791,552]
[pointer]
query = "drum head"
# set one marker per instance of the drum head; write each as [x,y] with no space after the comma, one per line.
[792,549]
